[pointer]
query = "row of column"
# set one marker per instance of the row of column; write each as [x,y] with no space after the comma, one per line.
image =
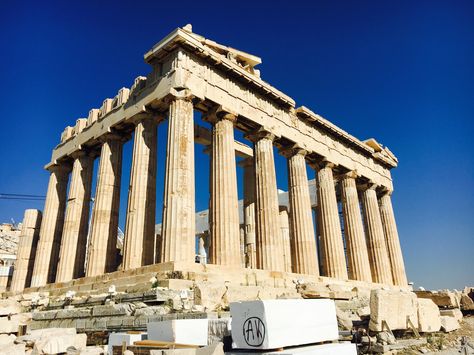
[61,250]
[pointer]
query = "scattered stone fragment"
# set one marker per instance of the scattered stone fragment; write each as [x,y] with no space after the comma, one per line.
[60,343]
[454,312]
[429,319]
[448,324]
[440,298]
[9,306]
[382,306]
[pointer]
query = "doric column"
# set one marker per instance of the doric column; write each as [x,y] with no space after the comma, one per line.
[25,256]
[76,222]
[285,236]
[377,249]
[102,252]
[139,238]
[303,242]
[47,251]
[392,240]
[178,234]
[269,239]
[332,247]
[356,246]
[249,212]
[224,203]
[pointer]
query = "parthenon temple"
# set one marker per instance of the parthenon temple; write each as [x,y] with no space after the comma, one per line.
[345,230]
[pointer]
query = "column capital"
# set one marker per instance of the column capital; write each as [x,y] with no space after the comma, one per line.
[176,94]
[371,185]
[81,153]
[385,191]
[59,168]
[321,164]
[113,136]
[152,116]
[261,133]
[293,150]
[218,113]
[353,174]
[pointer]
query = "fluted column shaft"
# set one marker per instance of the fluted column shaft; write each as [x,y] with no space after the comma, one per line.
[356,246]
[392,240]
[269,239]
[178,233]
[47,251]
[102,253]
[377,249]
[25,256]
[332,247]
[72,254]
[224,204]
[249,212]
[303,242]
[139,238]
[285,236]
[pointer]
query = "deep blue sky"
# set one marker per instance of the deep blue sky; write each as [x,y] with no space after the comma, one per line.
[400,71]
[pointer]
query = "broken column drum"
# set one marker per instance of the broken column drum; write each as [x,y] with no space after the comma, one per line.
[190,76]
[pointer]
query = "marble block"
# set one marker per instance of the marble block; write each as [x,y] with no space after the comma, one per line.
[280,323]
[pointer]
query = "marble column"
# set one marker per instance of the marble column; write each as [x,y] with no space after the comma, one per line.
[392,240]
[285,235]
[268,236]
[377,249]
[224,204]
[178,234]
[356,247]
[303,241]
[332,247]
[47,251]
[25,256]
[102,253]
[248,165]
[72,254]
[139,238]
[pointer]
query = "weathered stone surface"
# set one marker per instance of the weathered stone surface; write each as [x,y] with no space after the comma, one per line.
[9,306]
[448,324]
[11,324]
[13,349]
[218,329]
[441,298]
[44,315]
[152,310]
[82,312]
[323,291]
[344,320]
[454,312]
[394,307]
[59,343]
[120,309]
[429,319]
[467,303]
[6,339]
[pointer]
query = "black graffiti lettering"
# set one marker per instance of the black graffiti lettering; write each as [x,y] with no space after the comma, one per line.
[258,323]
[254,331]
[250,331]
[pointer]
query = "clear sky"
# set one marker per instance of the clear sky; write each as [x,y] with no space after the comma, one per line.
[399,71]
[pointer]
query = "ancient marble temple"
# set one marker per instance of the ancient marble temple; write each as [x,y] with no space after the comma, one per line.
[71,238]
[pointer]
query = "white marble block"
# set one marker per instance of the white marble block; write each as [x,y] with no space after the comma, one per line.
[322,349]
[181,331]
[279,323]
[118,338]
